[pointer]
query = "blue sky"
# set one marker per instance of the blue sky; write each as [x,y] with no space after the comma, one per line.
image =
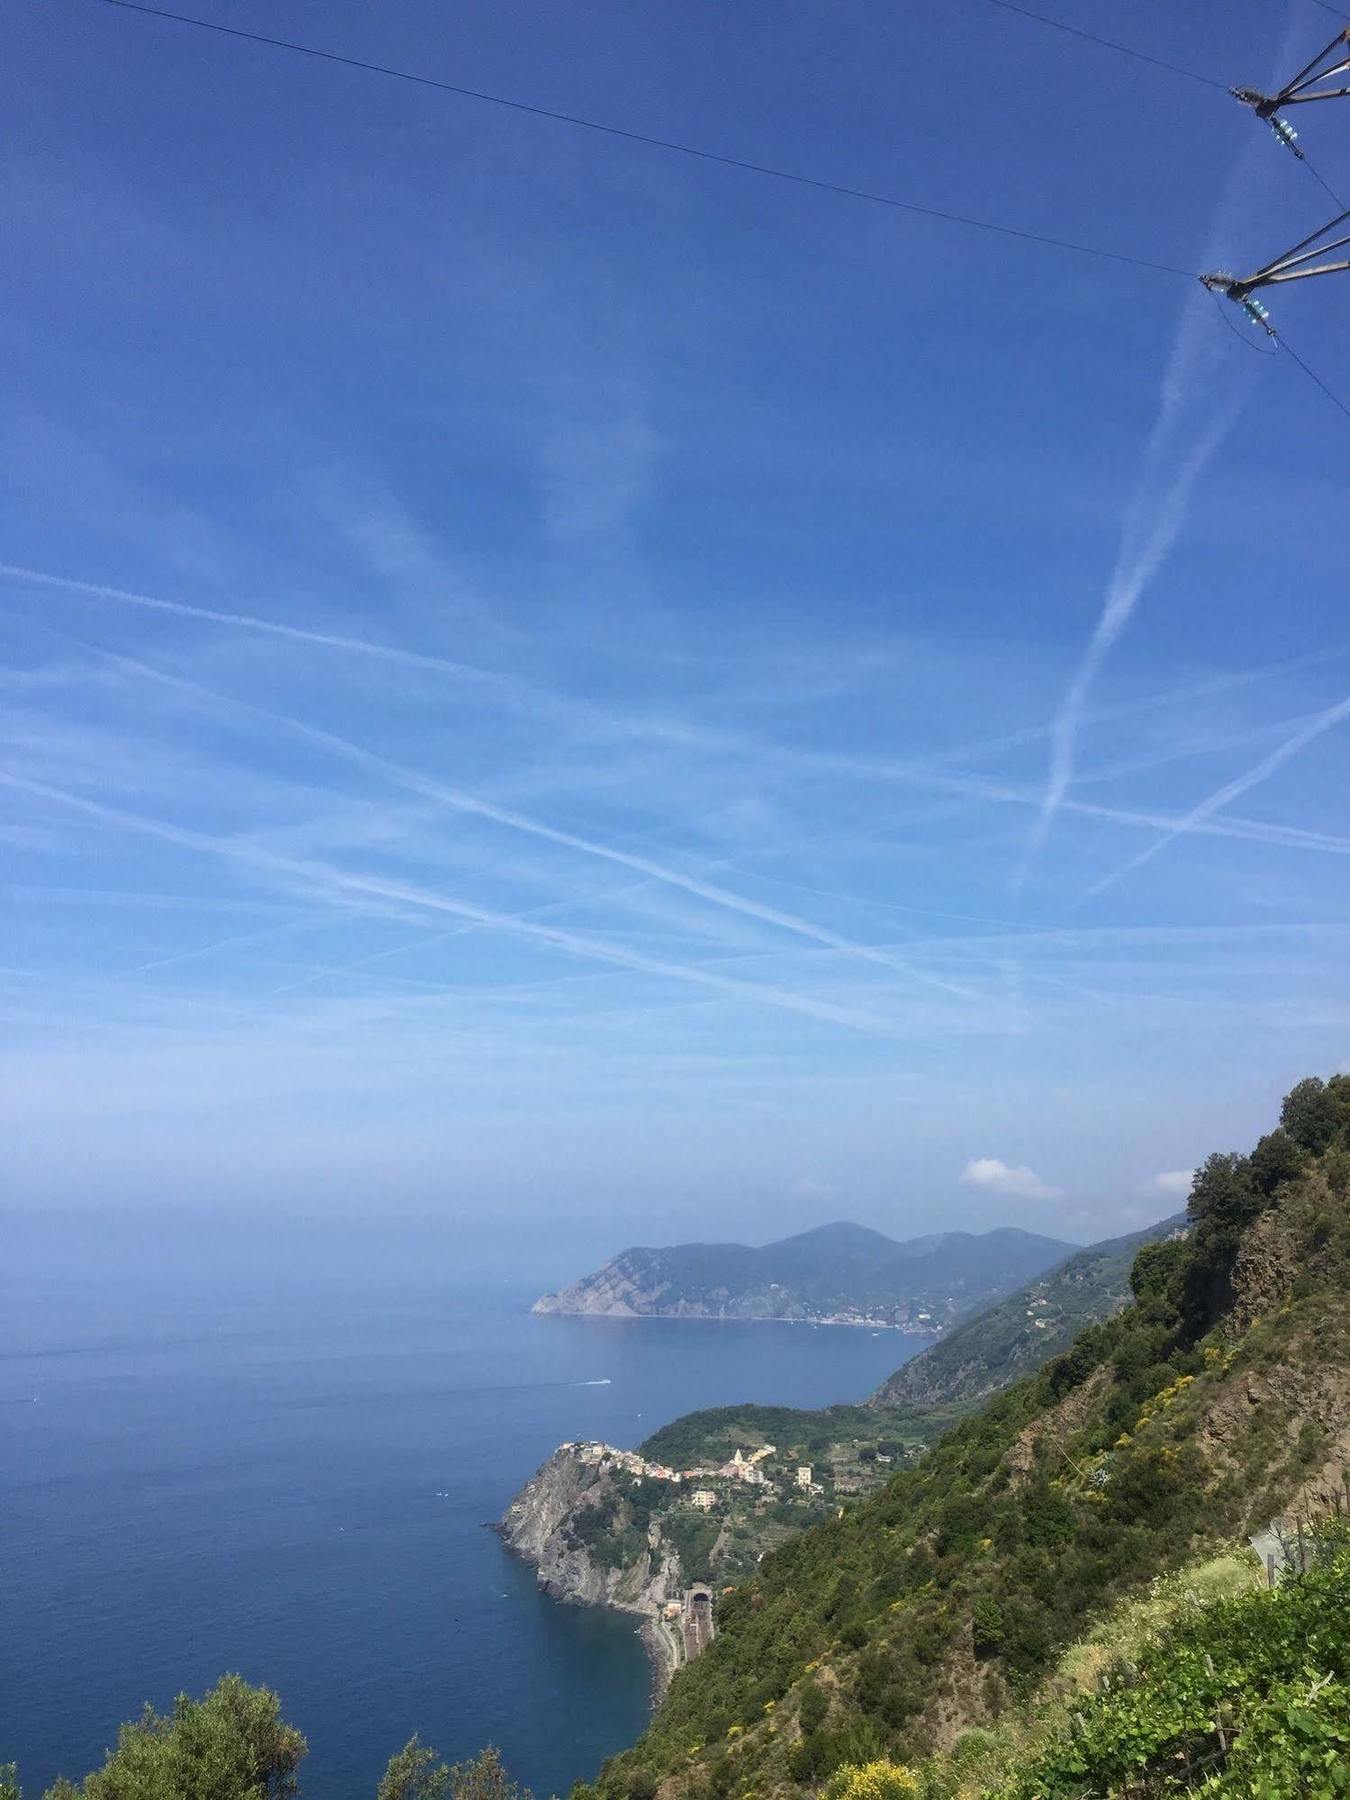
[550,683]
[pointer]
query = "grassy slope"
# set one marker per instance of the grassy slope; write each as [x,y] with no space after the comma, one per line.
[932,1606]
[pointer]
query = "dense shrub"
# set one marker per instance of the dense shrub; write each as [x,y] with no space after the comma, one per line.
[1249,1693]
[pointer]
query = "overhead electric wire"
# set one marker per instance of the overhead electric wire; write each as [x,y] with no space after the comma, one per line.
[1027,12]
[1240,334]
[652,142]
[1321,181]
[1077,31]
[1313,376]
[676,147]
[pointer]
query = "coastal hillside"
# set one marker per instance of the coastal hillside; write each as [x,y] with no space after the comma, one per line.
[1216,1402]
[1219,1681]
[701,1502]
[837,1273]
[707,1495]
[1018,1335]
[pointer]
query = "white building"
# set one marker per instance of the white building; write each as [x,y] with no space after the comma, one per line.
[703,1499]
[803,1476]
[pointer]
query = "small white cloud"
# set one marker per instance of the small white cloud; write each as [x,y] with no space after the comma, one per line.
[1003,1178]
[1168,1181]
[806,1187]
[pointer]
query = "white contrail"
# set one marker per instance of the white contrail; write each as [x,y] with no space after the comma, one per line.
[922,773]
[413,781]
[928,777]
[1198,407]
[520,695]
[93,590]
[658,728]
[332,881]
[1152,526]
[1324,721]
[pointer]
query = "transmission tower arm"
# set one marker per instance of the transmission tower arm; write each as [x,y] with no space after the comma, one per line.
[1295,264]
[1307,85]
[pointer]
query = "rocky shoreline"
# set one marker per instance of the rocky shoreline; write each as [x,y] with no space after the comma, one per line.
[539,1527]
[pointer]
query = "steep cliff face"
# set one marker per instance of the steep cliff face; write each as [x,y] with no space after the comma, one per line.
[547,1522]
[625,1288]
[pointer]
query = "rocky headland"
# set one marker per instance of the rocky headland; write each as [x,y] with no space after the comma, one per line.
[838,1274]
[562,1523]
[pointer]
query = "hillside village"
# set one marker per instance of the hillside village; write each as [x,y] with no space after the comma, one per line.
[746,1467]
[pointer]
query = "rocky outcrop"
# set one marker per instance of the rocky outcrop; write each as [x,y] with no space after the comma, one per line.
[623,1289]
[546,1524]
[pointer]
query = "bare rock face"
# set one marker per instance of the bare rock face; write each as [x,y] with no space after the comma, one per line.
[545,1524]
[617,1291]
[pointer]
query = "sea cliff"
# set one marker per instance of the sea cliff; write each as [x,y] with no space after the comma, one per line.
[554,1524]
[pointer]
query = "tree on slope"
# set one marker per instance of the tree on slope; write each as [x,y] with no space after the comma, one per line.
[233,1745]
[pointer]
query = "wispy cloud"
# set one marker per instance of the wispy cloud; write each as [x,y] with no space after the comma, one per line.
[327,880]
[1195,416]
[1199,404]
[596,467]
[1169,1184]
[460,801]
[931,773]
[998,1177]
[1200,814]
[505,687]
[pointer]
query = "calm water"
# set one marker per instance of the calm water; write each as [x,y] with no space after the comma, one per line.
[294,1484]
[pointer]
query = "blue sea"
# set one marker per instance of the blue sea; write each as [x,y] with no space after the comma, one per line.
[293,1482]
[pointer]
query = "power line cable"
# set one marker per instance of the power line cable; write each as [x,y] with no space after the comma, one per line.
[1321,180]
[1158,62]
[675,147]
[1240,334]
[655,143]
[1077,31]
[1313,376]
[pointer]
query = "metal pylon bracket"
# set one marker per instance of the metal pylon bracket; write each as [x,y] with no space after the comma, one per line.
[1298,263]
[1309,84]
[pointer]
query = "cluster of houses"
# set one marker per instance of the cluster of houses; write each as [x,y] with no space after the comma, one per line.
[742,1468]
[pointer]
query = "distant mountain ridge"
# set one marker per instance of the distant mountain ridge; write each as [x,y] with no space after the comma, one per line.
[1018,1335]
[839,1272]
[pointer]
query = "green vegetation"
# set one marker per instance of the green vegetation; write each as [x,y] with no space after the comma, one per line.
[1024,1331]
[415,1774]
[839,1271]
[234,1745]
[693,1536]
[1184,1420]
[855,1449]
[1212,1685]
[1047,1606]
[1250,1695]
[712,1436]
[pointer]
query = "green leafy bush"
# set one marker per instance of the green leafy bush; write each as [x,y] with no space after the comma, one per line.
[1247,1696]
